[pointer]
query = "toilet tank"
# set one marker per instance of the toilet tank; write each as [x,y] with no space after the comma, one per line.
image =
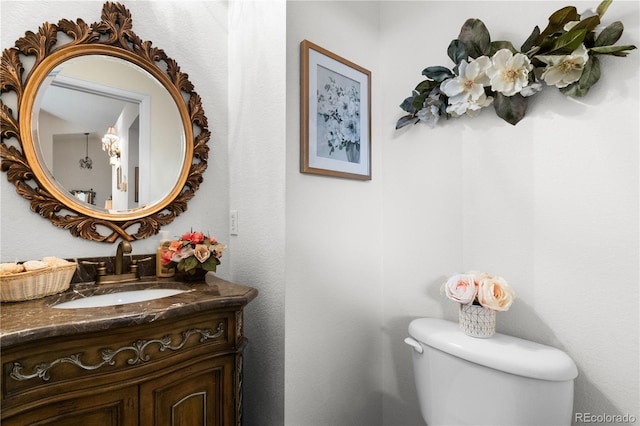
[503,380]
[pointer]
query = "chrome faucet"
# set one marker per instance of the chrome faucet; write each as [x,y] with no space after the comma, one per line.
[123,248]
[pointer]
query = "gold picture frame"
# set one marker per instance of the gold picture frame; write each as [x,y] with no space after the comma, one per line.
[335,118]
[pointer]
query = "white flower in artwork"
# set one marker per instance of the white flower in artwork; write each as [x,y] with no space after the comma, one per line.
[339,108]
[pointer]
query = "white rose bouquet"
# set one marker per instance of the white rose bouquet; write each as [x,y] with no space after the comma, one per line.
[479,288]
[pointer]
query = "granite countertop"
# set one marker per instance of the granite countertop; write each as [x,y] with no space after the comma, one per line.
[21,322]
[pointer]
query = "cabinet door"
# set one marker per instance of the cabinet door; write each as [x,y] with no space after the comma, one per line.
[201,394]
[115,407]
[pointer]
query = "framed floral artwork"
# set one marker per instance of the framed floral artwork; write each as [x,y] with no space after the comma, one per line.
[335,118]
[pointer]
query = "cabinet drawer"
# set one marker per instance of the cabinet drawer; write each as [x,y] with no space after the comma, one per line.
[119,407]
[34,371]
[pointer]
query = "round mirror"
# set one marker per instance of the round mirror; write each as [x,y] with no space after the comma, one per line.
[141,159]
[110,138]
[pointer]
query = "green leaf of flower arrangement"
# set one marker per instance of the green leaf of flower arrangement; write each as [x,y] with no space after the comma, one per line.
[531,41]
[559,19]
[406,120]
[437,74]
[588,24]
[211,263]
[457,52]
[429,85]
[407,105]
[610,35]
[476,38]
[510,108]
[613,50]
[590,76]
[189,263]
[568,42]
[602,7]
[497,45]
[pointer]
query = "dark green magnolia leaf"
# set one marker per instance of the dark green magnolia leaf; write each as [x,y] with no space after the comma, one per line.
[497,45]
[613,50]
[602,7]
[510,108]
[559,19]
[589,39]
[588,24]
[457,51]
[568,42]
[531,41]
[610,35]
[590,76]
[427,85]
[546,45]
[407,105]
[418,101]
[476,38]
[437,73]
[406,120]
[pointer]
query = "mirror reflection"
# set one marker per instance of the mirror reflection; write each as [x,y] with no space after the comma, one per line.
[108,133]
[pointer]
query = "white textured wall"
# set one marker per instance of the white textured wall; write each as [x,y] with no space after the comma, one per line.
[256,163]
[334,245]
[551,204]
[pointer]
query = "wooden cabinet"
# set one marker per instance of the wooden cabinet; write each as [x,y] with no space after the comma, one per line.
[116,408]
[179,371]
[195,396]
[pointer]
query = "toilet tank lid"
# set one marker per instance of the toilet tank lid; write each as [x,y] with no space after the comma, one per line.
[501,352]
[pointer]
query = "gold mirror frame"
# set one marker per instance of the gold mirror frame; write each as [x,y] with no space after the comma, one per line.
[112,36]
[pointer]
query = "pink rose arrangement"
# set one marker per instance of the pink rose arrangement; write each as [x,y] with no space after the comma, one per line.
[480,288]
[194,250]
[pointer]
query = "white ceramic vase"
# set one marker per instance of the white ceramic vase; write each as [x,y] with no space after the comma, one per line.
[477,321]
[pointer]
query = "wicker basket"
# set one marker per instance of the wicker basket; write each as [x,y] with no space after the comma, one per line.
[36,284]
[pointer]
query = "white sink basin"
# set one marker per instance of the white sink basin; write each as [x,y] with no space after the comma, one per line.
[120,298]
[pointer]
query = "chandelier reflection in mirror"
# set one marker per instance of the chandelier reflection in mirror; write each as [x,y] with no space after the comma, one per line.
[86,162]
[111,143]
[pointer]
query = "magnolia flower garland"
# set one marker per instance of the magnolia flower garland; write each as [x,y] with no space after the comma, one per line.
[495,73]
[492,292]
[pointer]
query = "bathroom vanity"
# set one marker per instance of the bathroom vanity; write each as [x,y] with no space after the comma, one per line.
[174,360]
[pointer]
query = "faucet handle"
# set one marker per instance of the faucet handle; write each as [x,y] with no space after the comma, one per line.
[133,267]
[100,270]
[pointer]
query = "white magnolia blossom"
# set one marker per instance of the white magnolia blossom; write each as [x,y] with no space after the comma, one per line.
[562,70]
[430,115]
[466,92]
[509,73]
[430,112]
[531,89]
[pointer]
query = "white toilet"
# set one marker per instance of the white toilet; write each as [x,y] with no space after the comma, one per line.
[502,380]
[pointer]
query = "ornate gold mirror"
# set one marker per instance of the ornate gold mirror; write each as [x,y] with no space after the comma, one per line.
[110,139]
